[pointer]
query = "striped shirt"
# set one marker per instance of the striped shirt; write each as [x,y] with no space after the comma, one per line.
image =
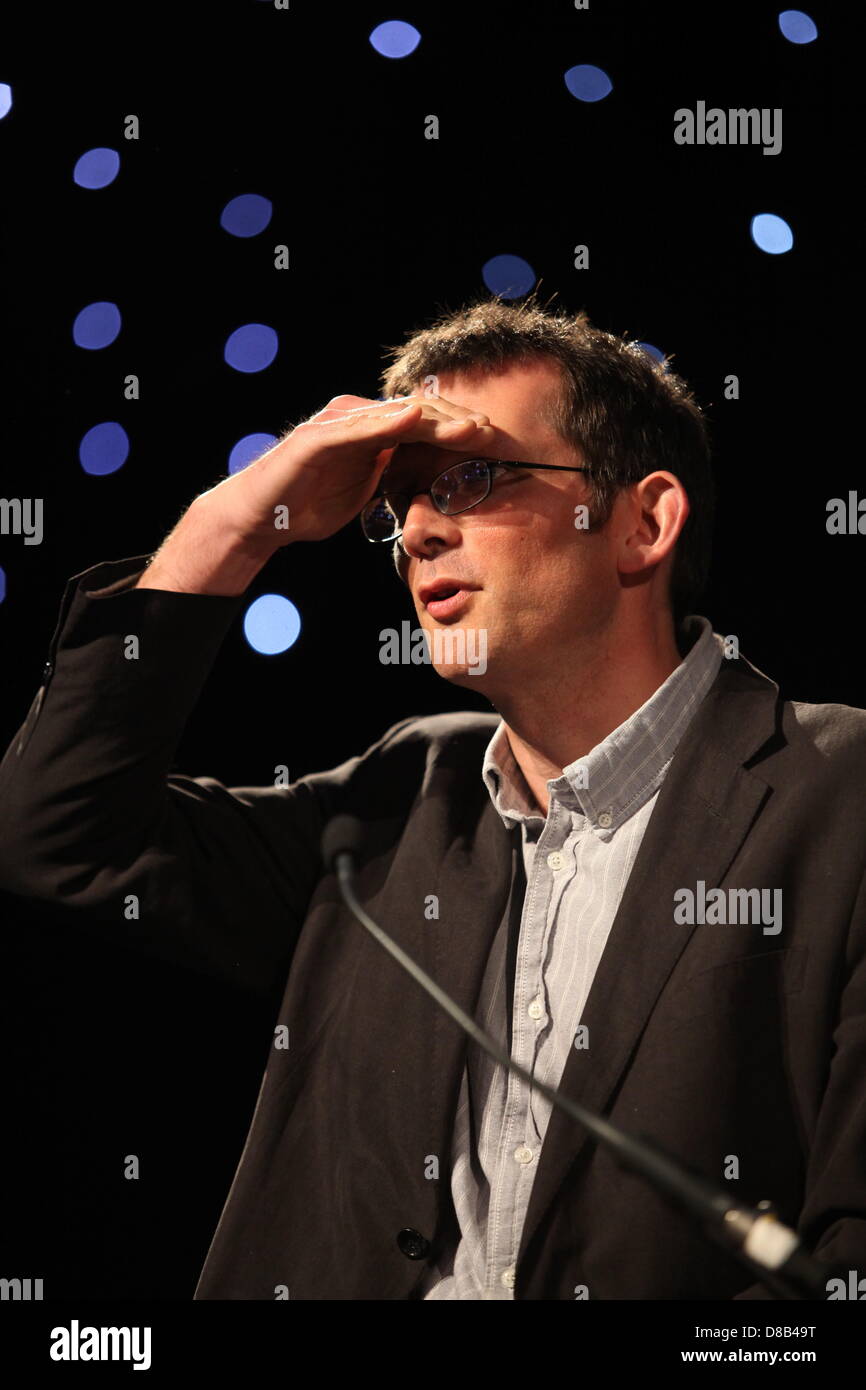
[577,861]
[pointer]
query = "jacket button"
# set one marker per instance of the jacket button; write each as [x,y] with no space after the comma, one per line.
[412,1243]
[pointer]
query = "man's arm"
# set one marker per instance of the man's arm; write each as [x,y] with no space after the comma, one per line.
[203,556]
[95,826]
[93,823]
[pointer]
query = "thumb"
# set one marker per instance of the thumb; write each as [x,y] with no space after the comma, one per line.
[383,458]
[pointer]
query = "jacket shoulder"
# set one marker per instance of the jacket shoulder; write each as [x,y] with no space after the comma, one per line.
[408,751]
[440,730]
[834,732]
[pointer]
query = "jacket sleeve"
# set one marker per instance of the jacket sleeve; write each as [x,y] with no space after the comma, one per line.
[94,825]
[832,1223]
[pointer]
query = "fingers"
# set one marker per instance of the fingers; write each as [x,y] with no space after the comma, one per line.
[458,435]
[438,405]
[433,407]
[407,424]
[386,425]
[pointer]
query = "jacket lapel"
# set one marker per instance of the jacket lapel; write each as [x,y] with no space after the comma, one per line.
[705,808]
[460,852]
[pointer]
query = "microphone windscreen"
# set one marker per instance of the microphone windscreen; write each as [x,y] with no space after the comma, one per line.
[341,835]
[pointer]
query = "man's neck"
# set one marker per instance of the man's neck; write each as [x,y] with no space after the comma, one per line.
[562,718]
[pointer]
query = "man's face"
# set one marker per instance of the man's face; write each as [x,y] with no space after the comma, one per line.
[543,589]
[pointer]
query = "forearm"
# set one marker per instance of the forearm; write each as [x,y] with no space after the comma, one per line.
[202,556]
[89,766]
[92,818]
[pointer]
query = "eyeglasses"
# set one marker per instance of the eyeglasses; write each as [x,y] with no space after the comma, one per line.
[460,487]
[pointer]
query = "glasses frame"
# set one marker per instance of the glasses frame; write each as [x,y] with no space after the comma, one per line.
[428,491]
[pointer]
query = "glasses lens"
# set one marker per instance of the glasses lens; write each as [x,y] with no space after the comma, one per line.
[379,520]
[456,490]
[462,486]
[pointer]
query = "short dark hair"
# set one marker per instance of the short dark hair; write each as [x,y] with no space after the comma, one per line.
[627,412]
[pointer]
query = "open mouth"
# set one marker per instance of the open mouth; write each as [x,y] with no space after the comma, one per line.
[441,589]
[447,601]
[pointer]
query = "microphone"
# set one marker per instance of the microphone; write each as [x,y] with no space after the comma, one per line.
[753,1235]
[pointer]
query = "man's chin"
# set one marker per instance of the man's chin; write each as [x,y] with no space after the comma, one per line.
[457,654]
[470,676]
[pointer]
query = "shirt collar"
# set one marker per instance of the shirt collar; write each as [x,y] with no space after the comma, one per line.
[621,773]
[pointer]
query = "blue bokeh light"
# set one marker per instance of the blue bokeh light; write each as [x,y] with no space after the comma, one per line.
[104,449]
[5,99]
[797,27]
[96,168]
[651,351]
[508,276]
[251,447]
[251,348]
[771,233]
[395,38]
[97,325]
[2,584]
[588,83]
[246,215]
[271,624]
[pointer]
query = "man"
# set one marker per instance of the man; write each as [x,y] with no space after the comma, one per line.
[644,872]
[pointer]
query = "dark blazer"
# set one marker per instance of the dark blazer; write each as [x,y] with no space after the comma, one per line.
[715,1040]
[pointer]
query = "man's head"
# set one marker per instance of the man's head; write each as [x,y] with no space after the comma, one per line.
[558,391]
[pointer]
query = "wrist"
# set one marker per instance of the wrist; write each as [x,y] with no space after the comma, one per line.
[203,555]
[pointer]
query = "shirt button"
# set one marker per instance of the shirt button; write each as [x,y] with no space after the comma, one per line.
[555,860]
[523,1154]
[507,1277]
[536,1009]
[605,819]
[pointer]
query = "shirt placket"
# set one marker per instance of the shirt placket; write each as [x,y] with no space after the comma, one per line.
[563,865]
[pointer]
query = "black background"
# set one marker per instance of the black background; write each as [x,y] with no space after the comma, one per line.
[109,1054]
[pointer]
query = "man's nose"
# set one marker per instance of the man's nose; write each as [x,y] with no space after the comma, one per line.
[425,523]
